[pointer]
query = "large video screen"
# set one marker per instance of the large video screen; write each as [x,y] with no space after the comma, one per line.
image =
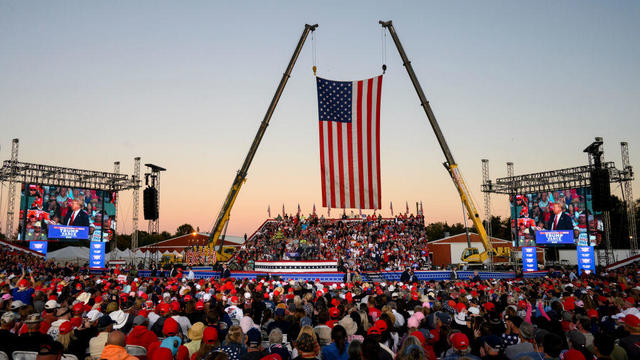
[555,218]
[60,213]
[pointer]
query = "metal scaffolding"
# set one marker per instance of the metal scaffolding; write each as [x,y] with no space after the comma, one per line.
[572,178]
[554,180]
[136,203]
[13,172]
[627,195]
[11,192]
[487,196]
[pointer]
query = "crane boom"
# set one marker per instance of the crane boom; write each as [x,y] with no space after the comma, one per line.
[450,163]
[241,175]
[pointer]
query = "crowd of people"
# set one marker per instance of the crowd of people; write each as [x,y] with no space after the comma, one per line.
[361,244]
[55,310]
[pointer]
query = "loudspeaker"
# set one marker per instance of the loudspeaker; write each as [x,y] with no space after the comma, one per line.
[600,190]
[150,203]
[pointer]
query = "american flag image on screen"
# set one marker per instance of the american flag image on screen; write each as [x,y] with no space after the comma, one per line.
[349,113]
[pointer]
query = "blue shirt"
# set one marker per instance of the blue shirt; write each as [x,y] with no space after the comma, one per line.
[26,296]
[331,352]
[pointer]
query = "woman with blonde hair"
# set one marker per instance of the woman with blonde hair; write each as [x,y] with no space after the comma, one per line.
[305,330]
[233,344]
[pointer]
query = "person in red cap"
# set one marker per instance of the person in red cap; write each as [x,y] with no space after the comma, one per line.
[460,347]
[163,311]
[209,343]
[23,290]
[140,335]
[630,343]
[173,340]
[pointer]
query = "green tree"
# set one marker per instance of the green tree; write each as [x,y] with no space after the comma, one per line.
[184,229]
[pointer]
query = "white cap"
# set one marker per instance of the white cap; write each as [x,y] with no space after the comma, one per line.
[247,295]
[120,317]
[16,304]
[474,310]
[93,315]
[51,304]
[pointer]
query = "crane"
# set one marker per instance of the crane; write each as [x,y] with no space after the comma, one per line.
[470,254]
[222,221]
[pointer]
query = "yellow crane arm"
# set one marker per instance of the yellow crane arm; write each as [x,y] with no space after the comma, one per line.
[450,164]
[223,217]
[469,204]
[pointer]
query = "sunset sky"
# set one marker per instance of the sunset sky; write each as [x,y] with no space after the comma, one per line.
[184,85]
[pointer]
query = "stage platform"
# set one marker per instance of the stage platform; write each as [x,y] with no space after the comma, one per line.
[336,277]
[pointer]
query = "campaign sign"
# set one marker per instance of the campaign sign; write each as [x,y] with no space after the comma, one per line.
[96,254]
[554,237]
[66,232]
[586,259]
[39,246]
[529,259]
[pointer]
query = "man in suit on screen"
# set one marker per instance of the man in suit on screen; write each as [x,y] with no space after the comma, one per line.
[77,216]
[559,220]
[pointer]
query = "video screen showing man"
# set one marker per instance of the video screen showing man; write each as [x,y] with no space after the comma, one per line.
[556,211]
[42,206]
[560,219]
[77,216]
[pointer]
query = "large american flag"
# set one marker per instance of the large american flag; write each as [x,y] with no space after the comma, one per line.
[349,114]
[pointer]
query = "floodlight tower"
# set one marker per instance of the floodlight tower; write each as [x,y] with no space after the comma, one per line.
[11,192]
[627,193]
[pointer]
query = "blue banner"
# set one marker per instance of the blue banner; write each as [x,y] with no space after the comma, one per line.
[529,259]
[96,255]
[586,259]
[554,237]
[39,246]
[66,232]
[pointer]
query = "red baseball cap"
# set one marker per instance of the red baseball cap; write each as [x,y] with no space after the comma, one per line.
[489,306]
[200,305]
[334,312]
[175,306]
[210,335]
[170,327]
[381,325]
[65,327]
[631,320]
[373,331]
[459,341]
[162,308]
[78,307]
[592,313]
[572,354]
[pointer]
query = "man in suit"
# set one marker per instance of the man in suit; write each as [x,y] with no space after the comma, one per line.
[77,216]
[225,273]
[559,219]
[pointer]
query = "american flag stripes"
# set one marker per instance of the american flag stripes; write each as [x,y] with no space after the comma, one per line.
[349,113]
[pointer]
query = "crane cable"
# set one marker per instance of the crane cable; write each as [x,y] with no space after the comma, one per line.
[314,57]
[383,40]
